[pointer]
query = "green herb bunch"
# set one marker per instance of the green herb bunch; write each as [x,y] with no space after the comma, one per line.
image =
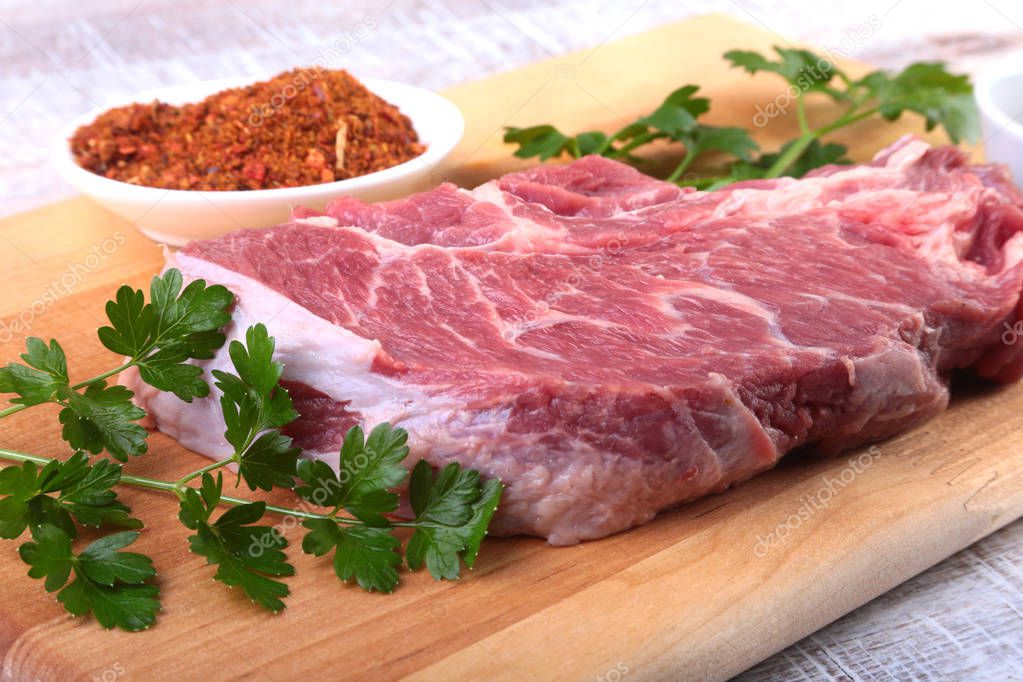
[942,98]
[50,500]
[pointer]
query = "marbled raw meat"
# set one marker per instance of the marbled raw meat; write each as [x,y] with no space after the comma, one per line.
[610,345]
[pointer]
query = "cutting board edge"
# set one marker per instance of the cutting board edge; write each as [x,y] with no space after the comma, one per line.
[69,205]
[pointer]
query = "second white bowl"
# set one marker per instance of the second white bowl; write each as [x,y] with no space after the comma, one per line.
[999,94]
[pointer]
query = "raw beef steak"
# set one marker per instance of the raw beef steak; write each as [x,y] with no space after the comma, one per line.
[610,345]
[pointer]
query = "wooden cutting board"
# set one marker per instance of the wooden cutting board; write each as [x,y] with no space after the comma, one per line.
[701,593]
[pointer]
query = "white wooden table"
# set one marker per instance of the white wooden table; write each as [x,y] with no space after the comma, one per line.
[961,620]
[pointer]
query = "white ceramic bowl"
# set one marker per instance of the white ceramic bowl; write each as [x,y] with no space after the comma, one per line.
[999,94]
[177,216]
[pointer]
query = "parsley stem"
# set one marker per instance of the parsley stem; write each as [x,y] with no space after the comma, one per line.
[790,155]
[12,409]
[799,146]
[850,117]
[681,167]
[152,483]
[156,484]
[801,114]
[183,481]
[105,375]
[167,486]
[23,457]
[176,486]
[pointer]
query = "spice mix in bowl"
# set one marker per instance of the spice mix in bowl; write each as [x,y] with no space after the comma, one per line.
[302,127]
[200,160]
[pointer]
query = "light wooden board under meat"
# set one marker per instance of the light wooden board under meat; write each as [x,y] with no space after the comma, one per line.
[695,594]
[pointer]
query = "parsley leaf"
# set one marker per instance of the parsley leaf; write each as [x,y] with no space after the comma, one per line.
[103,417]
[676,119]
[84,493]
[591,142]
[543,141]
[246,555]
[678,113]
[108,583]
[483,510]
[102,563]
[49,556]
[254,404]
[452,512]
[734,141]
[269,461]
[100,417]
[801,68]
[362,552]
[89,496]
[41,378]
[369,467]
[926,88]
[174,326]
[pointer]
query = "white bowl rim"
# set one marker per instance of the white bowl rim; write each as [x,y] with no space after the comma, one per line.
[93,183]
[984,85]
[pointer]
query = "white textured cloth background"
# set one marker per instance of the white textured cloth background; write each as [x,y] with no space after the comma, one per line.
[962,620]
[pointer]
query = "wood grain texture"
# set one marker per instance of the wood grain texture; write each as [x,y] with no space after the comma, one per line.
[697,594]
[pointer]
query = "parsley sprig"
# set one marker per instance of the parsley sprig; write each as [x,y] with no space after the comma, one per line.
[245,554]
[108,583]
[176,325]
[61,494]
[158,338]
[942,98]
[255,407]
[451,513]
[50,499]
[676,119]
